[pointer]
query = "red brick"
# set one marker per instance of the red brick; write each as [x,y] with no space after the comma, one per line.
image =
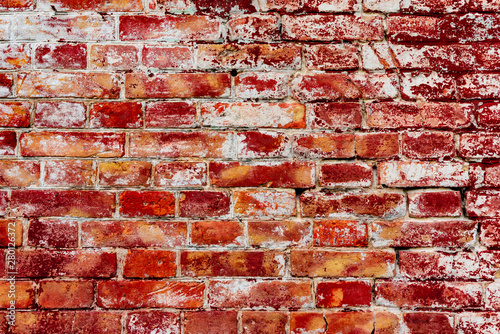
[254,322]
[478,322]
[332,57]
[8,143]
[97,6]
[226,7]
[204,204]
[3,202]
[167,57]
[340,233]
[24,294]
[74,263]
[280,5]
[335,115]
[423,174]
[249,56]
[335,86]
[323,27]
[170,114]
[395,115]
[14,173]
[16,5]
[87,322]
[427,86]
[114,57]
[322,263]
[6,81]
[67,56]
[345,175]
[147,204]
[116,115]
[269,294]
[146,294]
[143,263]
[434,6]
[264,203]
[428,145]
[74,203]
[262,144]
[267,115]
[378,204]
[15,114]
[488,115]
[493,295]
[125,173]
[259,28]
[233,263]
[128,234]
[450,295]
[261,85]
[217,233]
[424,234]
[490,233]
[343,293]
[485,203]
[378,145]
[60,115]
[6,228]
[169,27]
[142,322]
[331,6]
[72,144]
[332,322]
[280,174]
[180,174]
[278,234]
[66,294]
[479,145]
[434,204]
[211,322]
[140,85]
[429,322]
[69,173]
[53,233]
[52,84]
[65,27]
[324,145]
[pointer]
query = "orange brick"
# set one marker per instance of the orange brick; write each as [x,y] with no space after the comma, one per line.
[66,294]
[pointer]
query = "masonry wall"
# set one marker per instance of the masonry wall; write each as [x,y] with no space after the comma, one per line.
[250,166]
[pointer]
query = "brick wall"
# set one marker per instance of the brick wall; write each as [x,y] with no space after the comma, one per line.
[250,166]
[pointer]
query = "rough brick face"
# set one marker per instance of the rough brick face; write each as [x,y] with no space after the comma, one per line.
[250,166]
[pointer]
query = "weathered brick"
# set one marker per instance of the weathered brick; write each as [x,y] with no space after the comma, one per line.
[75,263]
[24,293]
[427,86]
[66,294]
[171,5]
[423,174]
[258,28]
[180,174]
[98,6]
[204,204]
[264,203]
[145,293]
[478,322]
[429,322]
[424,234]
[210,322]
[74,203]
[490,236]
[169,27]
[321,263]
[378,145]
[233,263]
[124,173]
[217,233]
[60,115]
[53,233]
[116,115]
[479,145]
[450,295]
[269,294]
[149,264]
[3,202]
[67,56]
[8,142]
[322,27]
[263,144]
[343,293]
[16,173]
[345,175]
[129,234]
[113,57]
[386,6]
[6,228]
[14,56]
[146,204]
[72,144]
[261,85]
[483,203]
[170,114]
[280,5]
[428,145]
[225,7]
[324,145]
[335,115]
[434,204]
[167,57]
[347,322]
[280,174]
[263,322]
[278,234]
[15,114]
[340,233]
[16,5]
[141,322]
[69,173]
[332,57]
[387,205]
[488,115]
